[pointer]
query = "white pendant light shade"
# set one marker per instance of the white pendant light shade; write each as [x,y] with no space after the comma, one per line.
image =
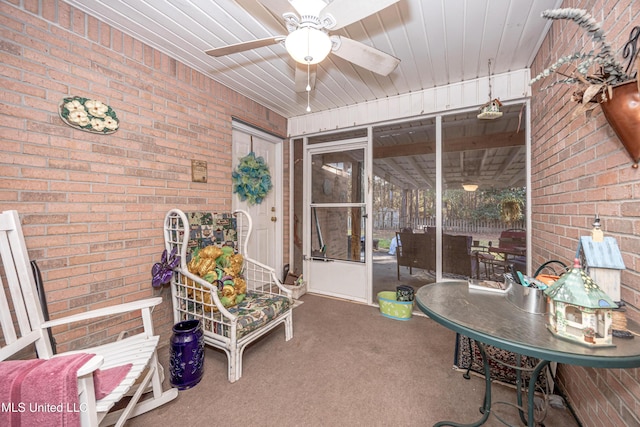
[470,187]
[308,45]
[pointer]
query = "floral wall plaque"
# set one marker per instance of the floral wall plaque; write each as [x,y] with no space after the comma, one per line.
[88,115]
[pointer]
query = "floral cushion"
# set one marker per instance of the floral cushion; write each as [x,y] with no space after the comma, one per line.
[210,228]
[223,268]
[257,310]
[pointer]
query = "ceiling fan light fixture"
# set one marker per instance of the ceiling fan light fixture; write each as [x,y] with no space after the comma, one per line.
[308,45]
[470,187]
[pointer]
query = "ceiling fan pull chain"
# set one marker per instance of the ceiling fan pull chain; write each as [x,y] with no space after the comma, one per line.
[308,87]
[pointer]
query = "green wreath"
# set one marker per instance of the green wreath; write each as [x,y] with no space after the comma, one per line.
[251,179]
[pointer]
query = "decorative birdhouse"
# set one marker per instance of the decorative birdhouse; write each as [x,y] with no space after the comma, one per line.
[491,110]
[579,310]
[602,261]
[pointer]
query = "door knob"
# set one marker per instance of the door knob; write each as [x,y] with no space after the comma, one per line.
[274,219]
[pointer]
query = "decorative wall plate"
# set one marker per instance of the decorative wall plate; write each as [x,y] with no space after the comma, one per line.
[88,115]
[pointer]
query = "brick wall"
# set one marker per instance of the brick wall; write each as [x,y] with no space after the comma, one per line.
[580,168]
[92,206]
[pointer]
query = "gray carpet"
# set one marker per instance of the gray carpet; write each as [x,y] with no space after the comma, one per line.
[346,366]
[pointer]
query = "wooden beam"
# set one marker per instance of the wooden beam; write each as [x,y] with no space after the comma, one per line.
[391,178]
[402,174]
[421,172]
[513,154]
[507,139]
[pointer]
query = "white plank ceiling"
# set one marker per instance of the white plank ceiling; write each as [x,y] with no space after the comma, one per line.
[438,42]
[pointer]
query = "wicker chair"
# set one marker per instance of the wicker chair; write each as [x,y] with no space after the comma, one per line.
[267,304]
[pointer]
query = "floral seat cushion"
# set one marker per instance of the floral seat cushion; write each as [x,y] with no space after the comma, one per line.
[257,310]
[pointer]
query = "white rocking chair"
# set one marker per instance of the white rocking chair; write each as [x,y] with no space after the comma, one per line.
[24,310]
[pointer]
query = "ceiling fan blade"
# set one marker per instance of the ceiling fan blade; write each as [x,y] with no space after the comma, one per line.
[347,12]
[301,77]
[277,7]
[241,47]
[365,56]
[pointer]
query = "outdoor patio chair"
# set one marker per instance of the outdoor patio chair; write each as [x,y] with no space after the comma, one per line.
[493,268]
[95,379]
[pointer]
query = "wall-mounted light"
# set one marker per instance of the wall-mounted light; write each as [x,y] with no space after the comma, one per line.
[470,187]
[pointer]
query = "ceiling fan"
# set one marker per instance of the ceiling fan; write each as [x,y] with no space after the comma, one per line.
[309,42]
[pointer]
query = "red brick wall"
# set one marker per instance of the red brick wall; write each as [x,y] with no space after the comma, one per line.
[92,206]
[580,168]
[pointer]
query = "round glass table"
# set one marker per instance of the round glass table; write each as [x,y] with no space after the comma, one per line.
[489,318]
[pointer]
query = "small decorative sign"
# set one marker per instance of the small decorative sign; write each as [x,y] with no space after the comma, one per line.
[88,115]
[198,171]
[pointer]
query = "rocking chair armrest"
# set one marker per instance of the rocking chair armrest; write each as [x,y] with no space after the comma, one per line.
[92,365]
[105,311]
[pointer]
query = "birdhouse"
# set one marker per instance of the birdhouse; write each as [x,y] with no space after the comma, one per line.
[602,261]
[579,310]
[491,110]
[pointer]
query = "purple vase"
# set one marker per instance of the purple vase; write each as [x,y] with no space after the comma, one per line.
[187,354]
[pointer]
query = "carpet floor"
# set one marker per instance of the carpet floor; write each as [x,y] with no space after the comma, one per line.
[346,365]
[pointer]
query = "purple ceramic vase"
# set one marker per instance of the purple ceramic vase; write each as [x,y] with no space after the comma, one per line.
[187,354]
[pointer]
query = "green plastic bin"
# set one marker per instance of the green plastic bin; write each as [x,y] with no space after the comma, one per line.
[392,308]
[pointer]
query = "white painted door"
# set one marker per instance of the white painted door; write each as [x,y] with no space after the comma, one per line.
[336,185]
[265,244]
